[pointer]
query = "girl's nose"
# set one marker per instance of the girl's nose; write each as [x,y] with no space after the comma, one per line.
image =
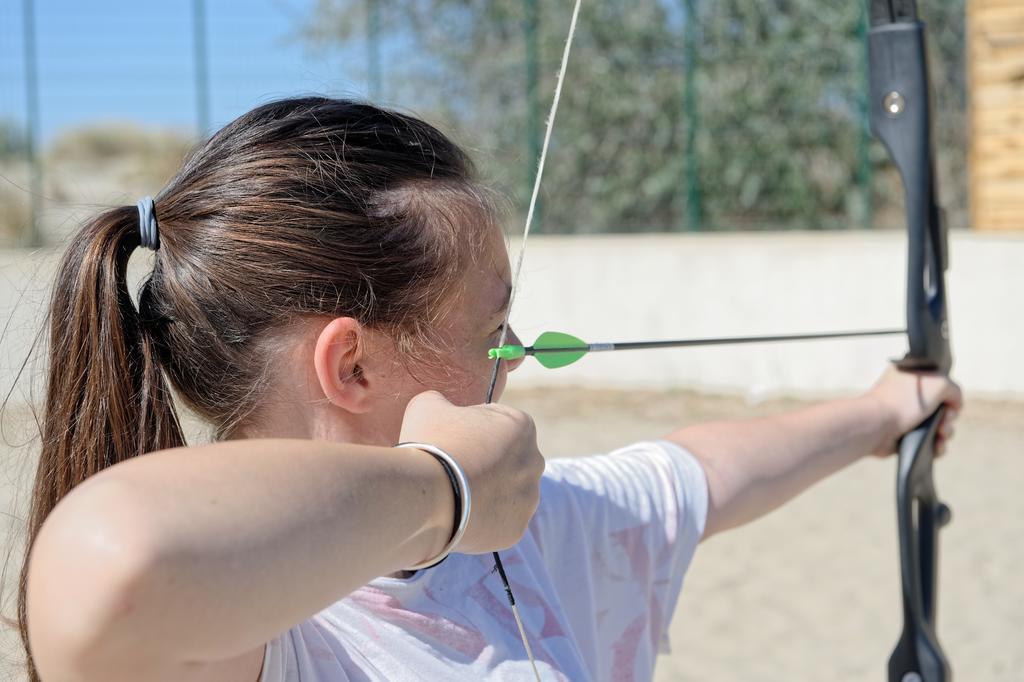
[513,340]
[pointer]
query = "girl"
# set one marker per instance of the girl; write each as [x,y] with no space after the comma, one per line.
[319,265]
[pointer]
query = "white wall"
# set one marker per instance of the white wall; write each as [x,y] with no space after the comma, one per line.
[620,288]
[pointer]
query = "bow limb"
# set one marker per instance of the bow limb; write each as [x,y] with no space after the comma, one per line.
[900,111]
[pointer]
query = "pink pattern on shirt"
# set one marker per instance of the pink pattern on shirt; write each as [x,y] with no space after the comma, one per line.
[467,641]
[525,596]
[624,651]
[633,542]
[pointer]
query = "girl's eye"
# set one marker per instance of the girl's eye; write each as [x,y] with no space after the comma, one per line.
[497,332]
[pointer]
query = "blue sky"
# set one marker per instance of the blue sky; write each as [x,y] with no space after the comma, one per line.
[109,60]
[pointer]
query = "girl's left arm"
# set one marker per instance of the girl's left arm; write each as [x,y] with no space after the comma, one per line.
[756,465]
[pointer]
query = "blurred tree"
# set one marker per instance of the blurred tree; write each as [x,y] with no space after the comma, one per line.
[779,104]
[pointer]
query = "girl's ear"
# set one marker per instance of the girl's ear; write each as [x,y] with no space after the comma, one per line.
[339,349]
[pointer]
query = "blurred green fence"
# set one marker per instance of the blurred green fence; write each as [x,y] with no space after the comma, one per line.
[677,114]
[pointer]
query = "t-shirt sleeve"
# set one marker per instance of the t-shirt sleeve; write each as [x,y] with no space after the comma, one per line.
[305,653]
[617,533]
[276,659]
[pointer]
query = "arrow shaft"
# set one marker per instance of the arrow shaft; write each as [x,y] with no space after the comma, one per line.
[720,341]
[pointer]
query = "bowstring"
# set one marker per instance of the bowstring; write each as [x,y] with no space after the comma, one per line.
[515,288]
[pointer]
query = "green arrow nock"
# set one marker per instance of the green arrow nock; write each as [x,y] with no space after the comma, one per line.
[507,352]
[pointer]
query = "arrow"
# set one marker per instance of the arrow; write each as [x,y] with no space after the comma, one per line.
[557,349]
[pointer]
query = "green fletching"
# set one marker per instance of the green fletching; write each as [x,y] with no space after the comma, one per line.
[560,358]
[559,340]
[507,352]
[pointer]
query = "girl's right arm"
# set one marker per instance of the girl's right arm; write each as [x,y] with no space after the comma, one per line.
[158,566]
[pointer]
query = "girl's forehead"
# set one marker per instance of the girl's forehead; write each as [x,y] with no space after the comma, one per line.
[492,287]
[498,260]
[486,283]
[491,255]
[494,245]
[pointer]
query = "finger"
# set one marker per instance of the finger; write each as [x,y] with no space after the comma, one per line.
[953,398]
[949,419]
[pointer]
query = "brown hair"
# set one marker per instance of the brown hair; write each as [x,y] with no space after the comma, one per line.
[308,206]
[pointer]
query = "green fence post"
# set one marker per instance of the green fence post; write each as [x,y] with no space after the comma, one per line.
[864,139]
[32,236]
[373,49]
[692,167]
[531,24]
[202,66]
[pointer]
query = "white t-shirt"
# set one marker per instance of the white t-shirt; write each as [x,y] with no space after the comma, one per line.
[596,578]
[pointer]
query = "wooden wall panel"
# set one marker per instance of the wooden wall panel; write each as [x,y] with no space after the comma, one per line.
[995,43]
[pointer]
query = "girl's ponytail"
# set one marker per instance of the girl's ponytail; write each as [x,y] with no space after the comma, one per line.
[265,228]
[106,397]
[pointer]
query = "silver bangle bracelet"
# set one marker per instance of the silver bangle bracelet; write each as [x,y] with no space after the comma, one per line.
[458,476]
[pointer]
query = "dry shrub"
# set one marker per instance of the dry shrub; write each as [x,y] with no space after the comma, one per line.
[149,156]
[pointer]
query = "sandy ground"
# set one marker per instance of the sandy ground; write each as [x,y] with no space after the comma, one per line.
[811,591]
